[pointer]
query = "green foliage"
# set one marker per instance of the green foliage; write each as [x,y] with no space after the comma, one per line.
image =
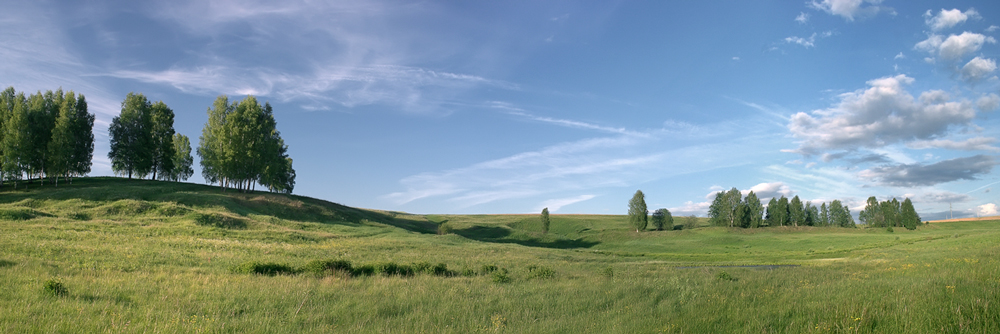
[328,267]
[535,271]
[545,220]
[500,276]
[608,272]
[241,146]
[662,220]
[637,211]
[796,212]
[182,159]
[724,276]
[690,222]
[754,211]
[445,228]
[55,288]
[909,215]
[264,268]
[132,144]
[727,209]
[162,133]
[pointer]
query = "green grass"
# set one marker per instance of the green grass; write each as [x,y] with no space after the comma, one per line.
[113,255]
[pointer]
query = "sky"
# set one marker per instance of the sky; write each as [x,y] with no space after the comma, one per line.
[513,106]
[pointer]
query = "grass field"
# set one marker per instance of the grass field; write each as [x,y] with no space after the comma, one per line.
[107,255]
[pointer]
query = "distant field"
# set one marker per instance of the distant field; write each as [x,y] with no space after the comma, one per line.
[966,219]
[113,255]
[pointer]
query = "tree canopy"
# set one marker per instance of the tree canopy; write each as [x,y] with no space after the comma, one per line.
[241,147]
[637,211]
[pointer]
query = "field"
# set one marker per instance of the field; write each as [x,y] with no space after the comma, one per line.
[106,255]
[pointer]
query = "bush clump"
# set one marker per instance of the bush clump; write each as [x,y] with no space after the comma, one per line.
[55,288]
[264,268]
[445,228]
[540,272]
[500,276]
[722,275]
[220,221]
[327,267]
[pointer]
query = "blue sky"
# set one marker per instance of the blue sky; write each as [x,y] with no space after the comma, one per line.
[512,106]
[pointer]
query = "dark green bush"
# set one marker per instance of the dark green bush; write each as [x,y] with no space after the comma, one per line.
[487,269]
[500,276]
[540,272]
[468,272]
[445,228]
[328,267]
[264,268]
[220,221]
[392,269]
[722,275]
[55,288]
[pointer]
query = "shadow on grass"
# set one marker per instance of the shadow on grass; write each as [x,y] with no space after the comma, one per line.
[5,263]
[289,207]
[504,235]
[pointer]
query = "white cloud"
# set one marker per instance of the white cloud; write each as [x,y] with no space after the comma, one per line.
[978,69]
[769,189]
[971,144]
[954,47]
[948,18]
[993,28]
[988,102]
[878,116]
[556,204]
[899,56]
[802,18]
[988,209]
[849,9]
[690,208]
[806,42]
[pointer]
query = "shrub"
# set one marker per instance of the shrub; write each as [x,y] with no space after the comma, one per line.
[55,288]
[608,272]
[722,275]
[392,269]
[487,269]
[324,267]
[540,272]
[264,268]
[445,228]
[889,229]
[468,272]
[439,269]
[500,276]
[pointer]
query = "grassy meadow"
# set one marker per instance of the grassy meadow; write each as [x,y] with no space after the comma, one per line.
[107,255]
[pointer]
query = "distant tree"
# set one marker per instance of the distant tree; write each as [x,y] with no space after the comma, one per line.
[770,215]
[132,142]
[781,212]
[909,215]
[690,222]
[840,215]
[663,220]
[182,159]
[82,156]
[732,202]
[637,212]
[812,215]
[60,148]
[545,220]
[162,133]
[796,212]
[824,215]
[16,140]
[716,211]
[755,210]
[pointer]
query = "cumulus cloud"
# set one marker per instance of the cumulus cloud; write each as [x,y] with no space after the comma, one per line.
[988,209]
[850,9]
[768,190]
[988,102]
[948,18]
[954,47]
[971,144]
[913,175]
[881,115]
[978,69]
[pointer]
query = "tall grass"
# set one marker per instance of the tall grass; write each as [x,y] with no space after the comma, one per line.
[132,256]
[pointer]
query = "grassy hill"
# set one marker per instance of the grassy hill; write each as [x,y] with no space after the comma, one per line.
[114,255]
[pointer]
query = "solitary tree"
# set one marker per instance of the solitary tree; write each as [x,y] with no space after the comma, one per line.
[663,220]
[162,133]
[637,212]
[545,220]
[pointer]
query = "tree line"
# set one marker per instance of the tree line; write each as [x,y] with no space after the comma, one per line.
[732,209]
[239,146]
[143,142]
[889,214]
[44,136]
